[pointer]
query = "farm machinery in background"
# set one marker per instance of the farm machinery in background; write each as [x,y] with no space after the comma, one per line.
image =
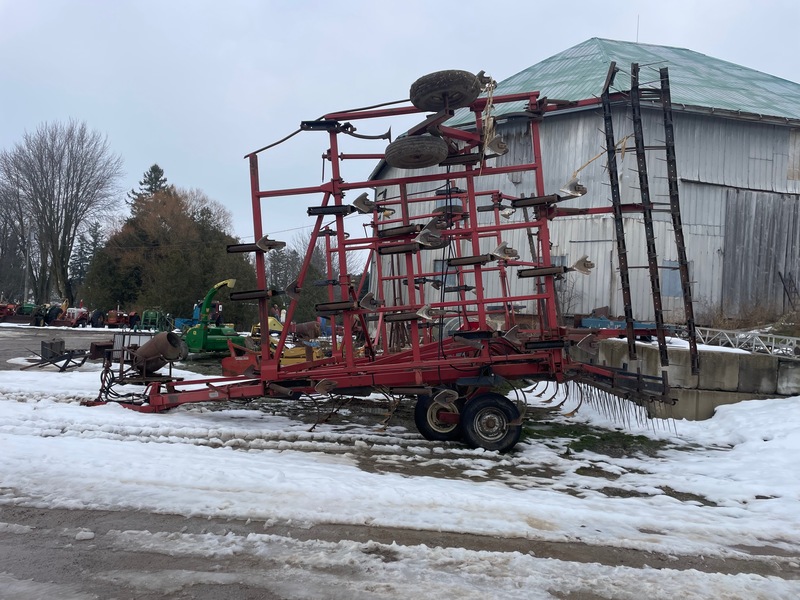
[209,334]
[304,346]
[55,315]
[393,342]
[203,334]
[11,312]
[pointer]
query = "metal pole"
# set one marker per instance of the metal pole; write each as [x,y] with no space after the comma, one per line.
[647,214]
[616,203]
[677,225]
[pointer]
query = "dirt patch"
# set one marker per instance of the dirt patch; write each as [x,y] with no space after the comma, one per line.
[595,471]
[613,492]
[51,532]
[686,497]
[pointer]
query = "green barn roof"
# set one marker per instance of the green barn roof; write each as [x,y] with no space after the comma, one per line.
[696,80]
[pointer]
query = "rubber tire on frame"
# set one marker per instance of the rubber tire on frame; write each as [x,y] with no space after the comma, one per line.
[416,152]
[486,423]
[454,89]
[425,412]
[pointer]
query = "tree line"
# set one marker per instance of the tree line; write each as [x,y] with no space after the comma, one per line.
[59,188]
[168,253]
[63,240]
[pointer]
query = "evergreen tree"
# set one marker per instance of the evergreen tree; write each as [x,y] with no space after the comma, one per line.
[167,255]
[79,263]
[87,246]
[152,183]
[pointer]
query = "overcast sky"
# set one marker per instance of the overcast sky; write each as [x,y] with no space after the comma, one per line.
[193,85]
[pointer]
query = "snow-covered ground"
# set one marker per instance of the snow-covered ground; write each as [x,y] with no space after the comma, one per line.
[716,488]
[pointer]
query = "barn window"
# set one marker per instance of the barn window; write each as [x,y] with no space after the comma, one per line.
[793,172]
[445,274]
[671,279]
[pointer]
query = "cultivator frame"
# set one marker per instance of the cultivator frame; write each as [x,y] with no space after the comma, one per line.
[405,352]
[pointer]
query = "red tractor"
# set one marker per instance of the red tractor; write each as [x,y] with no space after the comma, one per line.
[116,319]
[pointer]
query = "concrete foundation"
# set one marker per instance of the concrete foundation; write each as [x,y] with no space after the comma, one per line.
[697,405]
[758,374]
[789,378]
[724,378]
[719,371]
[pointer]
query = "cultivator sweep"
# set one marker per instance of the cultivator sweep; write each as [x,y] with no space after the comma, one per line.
[447,311]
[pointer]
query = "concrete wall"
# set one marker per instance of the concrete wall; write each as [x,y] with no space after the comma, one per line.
[724,378]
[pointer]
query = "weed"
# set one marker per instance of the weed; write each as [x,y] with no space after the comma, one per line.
[750,317]
[584,437]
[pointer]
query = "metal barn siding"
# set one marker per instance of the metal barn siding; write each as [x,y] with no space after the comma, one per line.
[793,159]
[570,142]
[703,208]
[762,239]
[715,155]
[738,152]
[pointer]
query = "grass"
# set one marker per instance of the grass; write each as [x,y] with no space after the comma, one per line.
[581,437]
[754,317]
[788,324]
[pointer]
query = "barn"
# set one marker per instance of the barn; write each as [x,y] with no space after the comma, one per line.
[737,142]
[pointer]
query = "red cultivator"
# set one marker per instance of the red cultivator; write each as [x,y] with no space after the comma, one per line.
[447,311]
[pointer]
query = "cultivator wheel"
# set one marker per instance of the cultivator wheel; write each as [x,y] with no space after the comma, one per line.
[445,89]
[438,421]
[492,422]
[416,152]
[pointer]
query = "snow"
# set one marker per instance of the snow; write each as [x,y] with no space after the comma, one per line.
[735,473]
[680,343]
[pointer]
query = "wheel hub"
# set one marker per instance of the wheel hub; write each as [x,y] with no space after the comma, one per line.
[442,424]
[491,424]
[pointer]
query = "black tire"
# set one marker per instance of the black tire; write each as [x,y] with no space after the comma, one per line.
[450,89]
[425,418]
[416,152]
[184,354]
[487,423]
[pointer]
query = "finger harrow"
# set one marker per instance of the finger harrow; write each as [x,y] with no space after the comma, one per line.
[447,311]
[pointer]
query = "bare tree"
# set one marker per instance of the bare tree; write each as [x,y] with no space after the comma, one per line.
[206,211]
[35,267]
[62,177]
[12,256]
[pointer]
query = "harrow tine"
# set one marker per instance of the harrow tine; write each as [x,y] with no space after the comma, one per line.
[574,411]
[566,397]
[553,396]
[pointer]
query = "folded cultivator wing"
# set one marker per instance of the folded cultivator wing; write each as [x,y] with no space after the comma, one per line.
[447,310]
